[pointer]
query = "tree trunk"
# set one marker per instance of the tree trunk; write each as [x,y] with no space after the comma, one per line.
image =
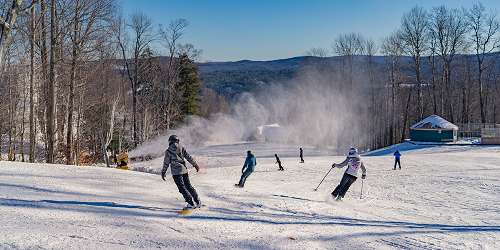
[6,28]
[10,152]
[51,102]
[78,122]
[32,83]
[71,98]
[419,82]
[405,120]
[393,103]
[44,86]
[433,82]
[481,92]
[25,96]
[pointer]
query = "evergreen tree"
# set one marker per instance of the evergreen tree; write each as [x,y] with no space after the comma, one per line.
[190,85]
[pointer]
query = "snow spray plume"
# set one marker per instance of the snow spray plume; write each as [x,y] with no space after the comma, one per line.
[316,108]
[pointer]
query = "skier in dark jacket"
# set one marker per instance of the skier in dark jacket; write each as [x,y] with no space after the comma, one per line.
[175,158]
[248,168]
[397,159]
[301,154]
[353,163]
[279,162]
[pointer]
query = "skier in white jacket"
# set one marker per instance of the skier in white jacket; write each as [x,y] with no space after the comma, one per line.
[353,163]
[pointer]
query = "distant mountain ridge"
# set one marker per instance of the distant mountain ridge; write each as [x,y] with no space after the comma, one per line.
[233,78]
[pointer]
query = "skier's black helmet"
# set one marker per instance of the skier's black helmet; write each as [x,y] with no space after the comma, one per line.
[173,139]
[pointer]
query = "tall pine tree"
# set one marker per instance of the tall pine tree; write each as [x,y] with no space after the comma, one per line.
[190,85]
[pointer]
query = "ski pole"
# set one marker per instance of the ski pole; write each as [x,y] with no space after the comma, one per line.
[361,195]
[316,189]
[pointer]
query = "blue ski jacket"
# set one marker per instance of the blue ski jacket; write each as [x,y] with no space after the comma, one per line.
[397,155]
[250,163]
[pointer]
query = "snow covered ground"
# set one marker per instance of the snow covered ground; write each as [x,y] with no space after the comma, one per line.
[446,197]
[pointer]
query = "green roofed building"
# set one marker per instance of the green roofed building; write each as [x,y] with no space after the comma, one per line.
[434,129]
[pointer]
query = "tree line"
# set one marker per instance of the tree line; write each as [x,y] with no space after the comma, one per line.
[439,61]
[77,79]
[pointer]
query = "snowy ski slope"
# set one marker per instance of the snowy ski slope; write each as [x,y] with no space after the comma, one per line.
[444,198]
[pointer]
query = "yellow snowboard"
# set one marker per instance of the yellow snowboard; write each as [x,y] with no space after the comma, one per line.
[186,211]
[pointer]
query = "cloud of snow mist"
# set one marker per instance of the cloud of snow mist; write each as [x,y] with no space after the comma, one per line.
[315,108]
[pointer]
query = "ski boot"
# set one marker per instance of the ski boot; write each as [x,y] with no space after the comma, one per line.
[189,207]
[198,205]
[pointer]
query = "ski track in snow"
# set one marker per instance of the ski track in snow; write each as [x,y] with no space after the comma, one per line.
[444,198]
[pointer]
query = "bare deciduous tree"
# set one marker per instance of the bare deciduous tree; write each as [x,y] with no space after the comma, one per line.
[171,36]
[143,33]
[485,28]
[448,27]
[7,23]
[392,48]
[91,21]
[414,25]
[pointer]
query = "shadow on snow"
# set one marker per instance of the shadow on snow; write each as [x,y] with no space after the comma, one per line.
[229,215]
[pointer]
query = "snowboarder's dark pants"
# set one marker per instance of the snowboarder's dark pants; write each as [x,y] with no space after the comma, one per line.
[345,183]
[185,188]
[397,161]
[280,167]
[244,177]
[301,159]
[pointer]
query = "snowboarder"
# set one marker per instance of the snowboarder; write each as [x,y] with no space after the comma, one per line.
[175,157]
[301,154]
[353,163]
[248,168]
[279,162]
[397,159]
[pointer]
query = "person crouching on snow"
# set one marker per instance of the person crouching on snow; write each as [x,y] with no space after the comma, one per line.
[353,163]
[175,157]
[248,168]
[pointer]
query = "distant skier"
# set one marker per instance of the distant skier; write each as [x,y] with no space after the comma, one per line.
[353,163]
[248,168]
[397,159]
[175,157]
[279,162]
[301,154]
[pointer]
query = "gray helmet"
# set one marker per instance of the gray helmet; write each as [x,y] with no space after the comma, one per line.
[353,152]
[173,139]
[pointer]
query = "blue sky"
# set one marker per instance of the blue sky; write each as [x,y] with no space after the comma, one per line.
[230,30]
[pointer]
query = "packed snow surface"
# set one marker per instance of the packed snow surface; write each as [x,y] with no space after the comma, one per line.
[444,198]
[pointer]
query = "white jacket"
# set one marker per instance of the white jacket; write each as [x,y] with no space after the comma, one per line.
[353,165]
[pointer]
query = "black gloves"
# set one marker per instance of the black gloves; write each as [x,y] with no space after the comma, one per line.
[197,168]
[363,176]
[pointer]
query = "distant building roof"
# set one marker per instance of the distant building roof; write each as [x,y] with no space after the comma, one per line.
[434,122]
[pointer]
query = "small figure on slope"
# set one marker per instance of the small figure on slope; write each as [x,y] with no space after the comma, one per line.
[279,162]
[301,154]
[175,157]
[248,168]
[397,159]
[353,163]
